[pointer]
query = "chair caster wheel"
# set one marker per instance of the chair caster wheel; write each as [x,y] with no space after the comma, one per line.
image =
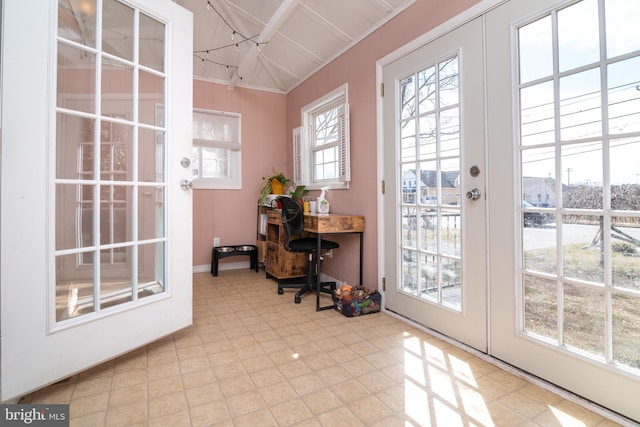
[280,291]
[296,300]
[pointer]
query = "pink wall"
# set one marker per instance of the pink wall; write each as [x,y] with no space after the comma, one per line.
[267,123]
[231,214]
[357,67]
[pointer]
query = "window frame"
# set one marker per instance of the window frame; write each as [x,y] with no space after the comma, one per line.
[304,137]
[234,153]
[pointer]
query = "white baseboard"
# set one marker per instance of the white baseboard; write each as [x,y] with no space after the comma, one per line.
[222,266]
[206,268]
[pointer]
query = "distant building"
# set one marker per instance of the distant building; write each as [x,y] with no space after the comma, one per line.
[539,191]
[428,187]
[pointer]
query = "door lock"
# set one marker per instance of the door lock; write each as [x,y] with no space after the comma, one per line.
[186,185]
[474,194]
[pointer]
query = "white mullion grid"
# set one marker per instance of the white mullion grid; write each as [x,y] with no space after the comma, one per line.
[558,156]
[437,111]
[417,169]
[606,188]
[96,160]
[134,162]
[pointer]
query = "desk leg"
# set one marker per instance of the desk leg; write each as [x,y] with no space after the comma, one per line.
[361,257]
[319,270]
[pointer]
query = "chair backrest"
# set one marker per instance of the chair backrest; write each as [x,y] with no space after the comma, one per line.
[292,219]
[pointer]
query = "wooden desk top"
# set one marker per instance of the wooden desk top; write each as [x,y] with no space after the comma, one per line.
[333,223]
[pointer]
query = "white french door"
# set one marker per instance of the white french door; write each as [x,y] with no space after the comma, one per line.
[563,191]
[96,230]
[435,266]
[562,108]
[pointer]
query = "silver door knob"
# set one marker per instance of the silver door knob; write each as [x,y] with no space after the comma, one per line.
[186,185]
[474,194]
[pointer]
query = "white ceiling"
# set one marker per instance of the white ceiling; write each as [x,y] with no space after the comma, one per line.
[278,43]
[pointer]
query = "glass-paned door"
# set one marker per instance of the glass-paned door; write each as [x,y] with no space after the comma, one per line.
[107,175]
[93,131]
[433,157]
[576,141]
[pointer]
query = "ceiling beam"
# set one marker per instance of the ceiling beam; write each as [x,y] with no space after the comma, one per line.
[250,60]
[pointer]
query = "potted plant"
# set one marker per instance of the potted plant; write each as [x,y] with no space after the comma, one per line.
[273,184]
[299,192]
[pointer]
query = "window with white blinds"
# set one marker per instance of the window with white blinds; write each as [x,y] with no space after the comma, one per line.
[216,150]
[321,144]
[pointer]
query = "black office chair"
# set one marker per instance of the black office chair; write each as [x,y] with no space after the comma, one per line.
[293,223]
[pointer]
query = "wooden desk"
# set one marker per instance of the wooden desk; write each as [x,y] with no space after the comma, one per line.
[325,224]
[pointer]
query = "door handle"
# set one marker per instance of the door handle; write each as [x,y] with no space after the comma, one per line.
[474,194]
[186,185]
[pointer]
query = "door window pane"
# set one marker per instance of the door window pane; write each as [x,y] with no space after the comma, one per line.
[580,105]
[626,329]
[117,84]
[536,51]
[623,32]
[151,95]
[537,115]
[77,21]
[426,91]
[151,212]
[541,308]
[578,35]
[74,286]
[76,79]
[117,29]
[625,176]
[431,215]
[582,176]
[151,43]
[624,96]
[625,252]
[151,155]
[584,312]
[582,250]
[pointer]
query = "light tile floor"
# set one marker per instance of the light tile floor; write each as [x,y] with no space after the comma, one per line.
[254,358]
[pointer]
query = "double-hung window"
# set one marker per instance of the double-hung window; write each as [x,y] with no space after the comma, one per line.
[321,144]
[216,150]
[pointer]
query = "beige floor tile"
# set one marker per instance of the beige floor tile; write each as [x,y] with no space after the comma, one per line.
[178,419]
[262,418]
[198,378]
[89,386]
[245,403]
[236,385]
[370,409]
[165,386]
[290,412]
[127,415]
[167,404]
[340,417]
[209,413]
[253,358]
[203,394]
[88,404]
[126,395]
[277,393]
[322,400]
